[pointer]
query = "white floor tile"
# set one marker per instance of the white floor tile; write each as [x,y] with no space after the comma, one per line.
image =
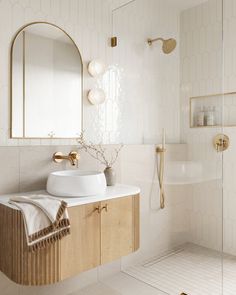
[128,285]
[98,289]
[192,269]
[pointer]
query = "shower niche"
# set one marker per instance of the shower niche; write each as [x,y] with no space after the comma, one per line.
[206,111]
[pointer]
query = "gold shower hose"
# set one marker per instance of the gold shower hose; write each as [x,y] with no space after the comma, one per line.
[160,172]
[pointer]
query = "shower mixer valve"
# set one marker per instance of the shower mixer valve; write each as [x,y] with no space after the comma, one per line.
[221,142]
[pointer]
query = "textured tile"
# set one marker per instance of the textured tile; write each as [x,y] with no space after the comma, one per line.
[98,289]
[180,271]
[10,174]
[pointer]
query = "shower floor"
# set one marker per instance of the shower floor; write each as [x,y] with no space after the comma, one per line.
[191,269]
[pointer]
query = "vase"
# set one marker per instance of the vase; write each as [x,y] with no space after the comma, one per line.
[110,176]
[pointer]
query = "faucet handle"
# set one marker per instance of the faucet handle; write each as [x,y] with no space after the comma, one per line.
[74,156]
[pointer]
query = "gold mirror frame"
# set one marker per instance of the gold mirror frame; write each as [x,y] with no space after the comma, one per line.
[11,82]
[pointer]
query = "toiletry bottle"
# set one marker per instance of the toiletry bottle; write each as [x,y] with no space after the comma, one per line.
[215,117]
[210,117]
[200,117]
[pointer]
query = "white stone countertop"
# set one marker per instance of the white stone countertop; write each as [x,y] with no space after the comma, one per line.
[112,192]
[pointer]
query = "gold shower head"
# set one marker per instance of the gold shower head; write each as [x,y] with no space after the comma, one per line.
[168,45]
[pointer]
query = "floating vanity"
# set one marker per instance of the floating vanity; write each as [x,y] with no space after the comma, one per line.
[103,228]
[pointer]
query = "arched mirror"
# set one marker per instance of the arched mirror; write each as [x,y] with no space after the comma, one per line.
[46,83]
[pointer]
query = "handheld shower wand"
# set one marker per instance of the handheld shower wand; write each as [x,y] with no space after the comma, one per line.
[160,170]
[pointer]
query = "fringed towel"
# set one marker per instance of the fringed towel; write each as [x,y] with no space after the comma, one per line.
[46,219]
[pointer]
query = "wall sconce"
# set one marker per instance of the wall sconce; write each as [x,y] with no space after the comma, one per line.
[96,96]
[96,68]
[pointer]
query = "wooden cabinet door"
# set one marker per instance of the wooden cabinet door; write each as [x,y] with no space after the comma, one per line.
[117,228]
[80,250]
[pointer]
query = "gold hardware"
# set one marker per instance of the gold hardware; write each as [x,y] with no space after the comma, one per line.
[113,41]
[221,142]
[98,209]
[150,41]
[168,44]
[105,208]
[73,157]
[161,151]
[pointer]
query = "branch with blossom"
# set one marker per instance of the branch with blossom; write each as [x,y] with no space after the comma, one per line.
[98,152]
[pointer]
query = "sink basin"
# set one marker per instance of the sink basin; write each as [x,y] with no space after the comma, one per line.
[76,183]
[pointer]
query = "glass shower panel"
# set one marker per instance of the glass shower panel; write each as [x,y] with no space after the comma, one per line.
[182,91]
[229,158]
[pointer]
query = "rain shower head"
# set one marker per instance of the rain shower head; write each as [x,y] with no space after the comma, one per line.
[168,46]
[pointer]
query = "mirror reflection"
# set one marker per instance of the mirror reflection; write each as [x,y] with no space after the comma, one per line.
[46,84]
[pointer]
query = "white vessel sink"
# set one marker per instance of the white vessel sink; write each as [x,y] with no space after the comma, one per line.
[76,183]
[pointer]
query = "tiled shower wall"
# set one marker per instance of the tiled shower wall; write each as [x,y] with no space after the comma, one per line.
[209,68]
[201,59]
[148,79]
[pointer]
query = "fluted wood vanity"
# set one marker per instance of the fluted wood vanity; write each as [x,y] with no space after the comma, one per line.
[102,230]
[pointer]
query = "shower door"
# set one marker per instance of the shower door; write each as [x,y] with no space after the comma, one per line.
[229,157]
[189,91]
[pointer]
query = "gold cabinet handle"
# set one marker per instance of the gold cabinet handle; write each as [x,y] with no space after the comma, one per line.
[105,208]
[98,209]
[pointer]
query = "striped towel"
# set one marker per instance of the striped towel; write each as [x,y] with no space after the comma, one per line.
[45,218]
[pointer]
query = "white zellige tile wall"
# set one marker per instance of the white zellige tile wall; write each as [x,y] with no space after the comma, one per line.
[229,159]
[201,59]
[208,69]
[148,94]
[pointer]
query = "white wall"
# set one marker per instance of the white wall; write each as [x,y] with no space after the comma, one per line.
[148,96]
[208,69]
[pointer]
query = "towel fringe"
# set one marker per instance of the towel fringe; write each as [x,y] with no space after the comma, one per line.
[50,240]
[47,230]
[60,212]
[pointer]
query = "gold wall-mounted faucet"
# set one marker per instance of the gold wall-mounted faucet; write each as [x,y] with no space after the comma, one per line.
[73,157]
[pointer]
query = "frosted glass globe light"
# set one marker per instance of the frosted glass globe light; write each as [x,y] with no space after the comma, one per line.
[96,96]
[96,68]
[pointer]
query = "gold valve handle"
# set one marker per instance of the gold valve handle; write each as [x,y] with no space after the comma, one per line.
[221,142]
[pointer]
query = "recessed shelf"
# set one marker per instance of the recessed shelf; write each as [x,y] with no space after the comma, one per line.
[214,110]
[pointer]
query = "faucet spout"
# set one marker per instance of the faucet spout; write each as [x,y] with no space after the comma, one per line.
[73,157]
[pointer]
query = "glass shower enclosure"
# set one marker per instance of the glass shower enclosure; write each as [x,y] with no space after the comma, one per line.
[189,246]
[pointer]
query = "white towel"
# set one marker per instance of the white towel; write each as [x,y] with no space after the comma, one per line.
[45,218]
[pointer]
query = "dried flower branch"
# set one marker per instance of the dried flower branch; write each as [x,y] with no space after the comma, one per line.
[98,152]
